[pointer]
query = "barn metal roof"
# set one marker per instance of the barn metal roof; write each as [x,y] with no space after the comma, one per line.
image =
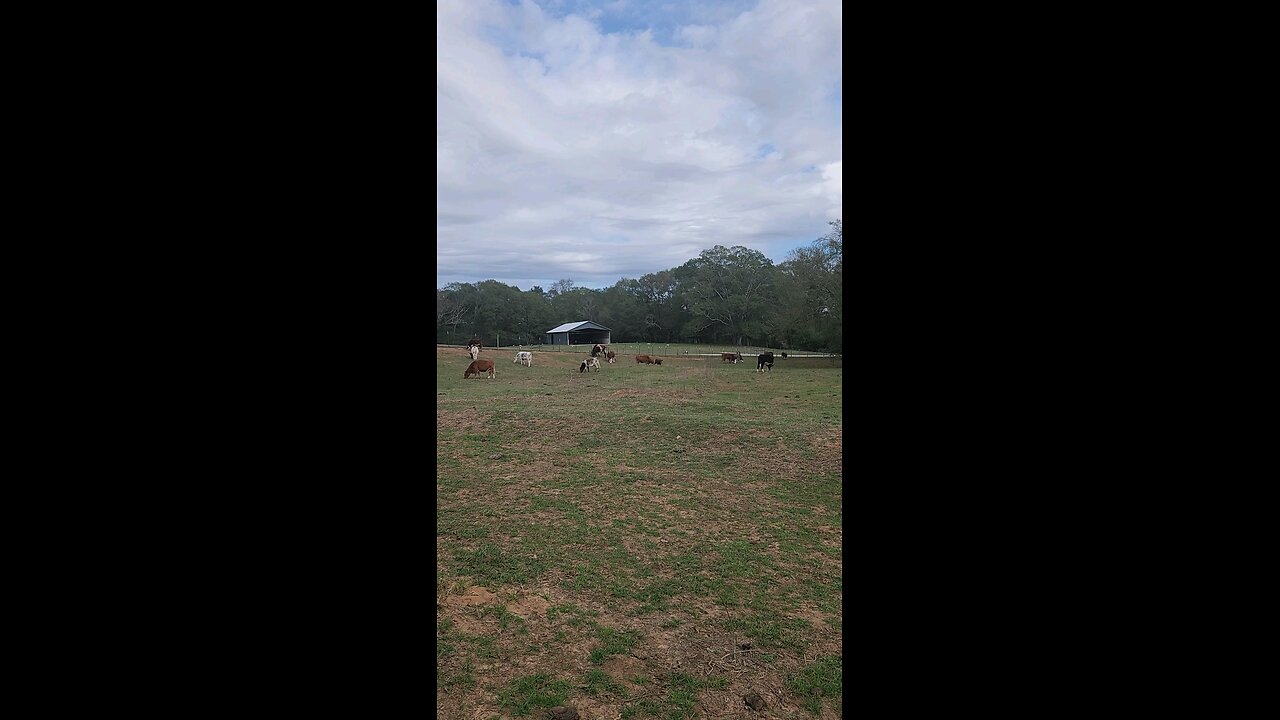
[577,325]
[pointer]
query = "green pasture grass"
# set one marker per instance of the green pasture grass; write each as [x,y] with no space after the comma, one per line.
[821,679]
[534,691]
[692,506]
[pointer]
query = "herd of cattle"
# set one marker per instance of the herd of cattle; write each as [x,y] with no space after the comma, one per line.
[478,367]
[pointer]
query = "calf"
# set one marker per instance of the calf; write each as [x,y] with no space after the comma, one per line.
[784,354]
[764,361]
[610,355]
[657,361]
[734,358]
[644,359]
[524,358]
[478,367]
[588,364]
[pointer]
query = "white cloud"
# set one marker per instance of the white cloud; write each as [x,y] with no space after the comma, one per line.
[563,150]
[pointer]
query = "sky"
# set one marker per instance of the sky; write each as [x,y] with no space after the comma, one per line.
[599,140]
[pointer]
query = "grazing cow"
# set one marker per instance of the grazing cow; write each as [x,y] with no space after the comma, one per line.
[611,356]
[474,341]
[597,350]
[734,358]
[644,359]
[524,358]
[479,367]
[473,351]
[784,354]
[657,361]
[588,364]
[764,361]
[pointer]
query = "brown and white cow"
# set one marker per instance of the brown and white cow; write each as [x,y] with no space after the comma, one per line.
[473,351]
[734,358]
[588,364]
[597,350]
[611,356]
[478,367]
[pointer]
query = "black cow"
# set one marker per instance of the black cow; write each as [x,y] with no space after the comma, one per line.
[764,361]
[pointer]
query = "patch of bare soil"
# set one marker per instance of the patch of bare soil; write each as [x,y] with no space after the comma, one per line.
[474,595]
[530,606]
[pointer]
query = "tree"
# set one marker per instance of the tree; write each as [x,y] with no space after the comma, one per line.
[813,280]
[727,291]
[560,287]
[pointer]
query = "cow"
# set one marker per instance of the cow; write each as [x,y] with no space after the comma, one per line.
[784,354]
[611,356]
[657,361]
[597,350]
[644,359]
[734,358]
[474,341]
[473,351]
[479,367]
[524,358]
[764,361]
[588,364]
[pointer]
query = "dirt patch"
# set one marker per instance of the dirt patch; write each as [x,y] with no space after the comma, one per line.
[624,667]
[530,606]
[474,595]
[589,709]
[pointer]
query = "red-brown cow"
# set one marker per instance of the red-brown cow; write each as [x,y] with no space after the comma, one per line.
[610,355]
[478,367]
[644,359]
[734,358]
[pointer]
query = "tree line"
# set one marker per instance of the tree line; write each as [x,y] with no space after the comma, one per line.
[732,296]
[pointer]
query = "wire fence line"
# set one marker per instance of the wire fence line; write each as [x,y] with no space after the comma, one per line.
[673,350]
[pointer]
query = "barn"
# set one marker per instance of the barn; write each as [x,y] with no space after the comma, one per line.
[582,332]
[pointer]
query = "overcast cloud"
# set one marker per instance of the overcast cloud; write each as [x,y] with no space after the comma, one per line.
[600,140]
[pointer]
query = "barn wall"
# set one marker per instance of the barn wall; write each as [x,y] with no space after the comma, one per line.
[589,337]
[578,337]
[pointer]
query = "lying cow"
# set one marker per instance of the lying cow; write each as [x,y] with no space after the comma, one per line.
[477,367]
[734,358]
[764,361]
[524,358]
[644,359]
[610,356]
[588,364]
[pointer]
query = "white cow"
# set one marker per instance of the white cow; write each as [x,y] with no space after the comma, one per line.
[524,358]
[474,351]
[589,364]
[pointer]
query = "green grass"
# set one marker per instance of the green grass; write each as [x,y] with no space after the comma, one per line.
[528,693]
[613,642]
[698,501]
[822,679]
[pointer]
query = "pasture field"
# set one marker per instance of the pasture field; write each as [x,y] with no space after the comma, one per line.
[639,542]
